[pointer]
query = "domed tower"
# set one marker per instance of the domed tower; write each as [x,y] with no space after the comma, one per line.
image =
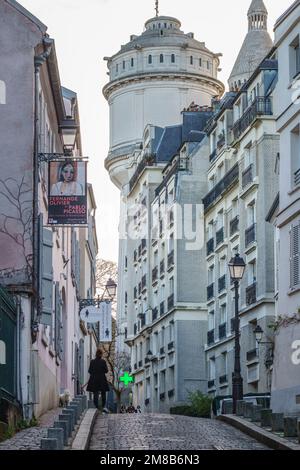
[152,78]
[256,46]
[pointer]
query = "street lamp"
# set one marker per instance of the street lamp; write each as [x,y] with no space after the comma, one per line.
[111,288]
[69,134]
[237,268]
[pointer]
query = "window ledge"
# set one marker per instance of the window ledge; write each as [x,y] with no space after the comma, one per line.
[294,290]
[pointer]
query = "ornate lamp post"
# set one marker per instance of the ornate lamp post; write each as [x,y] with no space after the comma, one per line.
[237,268]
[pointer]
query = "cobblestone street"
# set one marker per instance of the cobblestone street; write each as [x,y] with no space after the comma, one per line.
[30,439]
[165,432]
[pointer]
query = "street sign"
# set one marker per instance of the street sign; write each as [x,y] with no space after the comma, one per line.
[105,322]
[90,314]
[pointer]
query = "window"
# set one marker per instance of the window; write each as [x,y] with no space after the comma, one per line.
[200,62]
[211,275]
[132,62]
[212,368]
[295,157]
[223,314]
[224,363]
[251,214]
[252,273]
[117,68]
[171,285]
[211,320]
[161,58]
[208,65]
[191,60]
[126,297]
[173,58]
[294,58]
[150,59]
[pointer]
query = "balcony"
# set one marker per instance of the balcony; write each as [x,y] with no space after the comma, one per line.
[171,260]
[144,282]
[210,337]
[211,383]
[247,176]
[222,331]
[210,291]
[223,379]
[220,236]
[171,345]
[234,225]
[154,314]
[210,246]
[222,283]
[148,160]
[221,141]
[251,294]
[262,106]
[162,308]
[155,275]
[251,355]
[250,235]
[162,268]
[297,178]
[226,183]
[144,245]
[170,302]
[213,155]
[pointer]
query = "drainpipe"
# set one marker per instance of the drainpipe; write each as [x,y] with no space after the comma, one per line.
[38,62]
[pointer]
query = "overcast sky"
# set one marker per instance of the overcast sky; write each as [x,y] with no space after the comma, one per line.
[87,30]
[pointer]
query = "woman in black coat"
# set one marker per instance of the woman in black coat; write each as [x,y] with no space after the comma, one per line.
[98,382]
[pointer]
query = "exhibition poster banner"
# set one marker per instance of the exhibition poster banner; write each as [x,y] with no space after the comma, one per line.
[67,192]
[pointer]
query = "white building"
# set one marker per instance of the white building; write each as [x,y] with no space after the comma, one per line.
[286,377]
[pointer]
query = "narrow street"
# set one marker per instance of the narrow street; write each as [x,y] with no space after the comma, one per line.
[165,432]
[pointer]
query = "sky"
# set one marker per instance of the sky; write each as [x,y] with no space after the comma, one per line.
[85,31]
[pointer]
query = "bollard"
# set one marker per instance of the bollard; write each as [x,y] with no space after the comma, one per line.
[74,408]
[84,402]
[70,412]
[240,407]
[290,426]
[277,422]
[248,410]
[67,419]
[227,407]
[64,426]
[79,402]
[256,415]
[58,434]
[265,418]
[49,444]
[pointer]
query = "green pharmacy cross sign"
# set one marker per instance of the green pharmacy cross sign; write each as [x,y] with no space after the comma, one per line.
[127,379]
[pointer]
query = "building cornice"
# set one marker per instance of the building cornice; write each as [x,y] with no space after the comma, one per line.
[110,87]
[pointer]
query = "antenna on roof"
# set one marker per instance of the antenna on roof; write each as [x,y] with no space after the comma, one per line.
[156,7]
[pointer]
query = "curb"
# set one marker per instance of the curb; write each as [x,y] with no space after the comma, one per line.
[260,434]
[83,436]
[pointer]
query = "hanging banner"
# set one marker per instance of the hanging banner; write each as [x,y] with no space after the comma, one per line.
[90,314]
[67,192]
[105,322]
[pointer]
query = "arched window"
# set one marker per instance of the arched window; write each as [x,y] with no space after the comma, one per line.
[200,62]
[165,25]
[150,59]
[161,58]
[208,65]
[158,25]
[132,62]
[2,92]
[173,58]
[124,64]
[117,68]
[191,60]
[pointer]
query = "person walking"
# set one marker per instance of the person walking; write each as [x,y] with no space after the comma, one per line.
[97,382]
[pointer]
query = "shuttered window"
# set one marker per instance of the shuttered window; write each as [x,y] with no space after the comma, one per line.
[294,255]
[46,273]
[58,323]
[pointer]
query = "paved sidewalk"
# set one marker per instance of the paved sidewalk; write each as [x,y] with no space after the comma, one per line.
[30,439]
[167,432]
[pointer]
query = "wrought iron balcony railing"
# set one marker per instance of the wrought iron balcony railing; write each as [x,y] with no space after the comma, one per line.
[162,267]
[262,106]
[171,259]
[155,274]
[234,225]
[250,235]
[229,180]
[297,177]
[148,160]
[251,294]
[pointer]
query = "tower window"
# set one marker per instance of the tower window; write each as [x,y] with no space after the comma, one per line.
[165,25]
[208,65]
[173,58]
[161,58]
[191,60]
[132,62]
[117,68]
[149,59]
[124,64]
[200,62]
[161,33]
[159,25]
